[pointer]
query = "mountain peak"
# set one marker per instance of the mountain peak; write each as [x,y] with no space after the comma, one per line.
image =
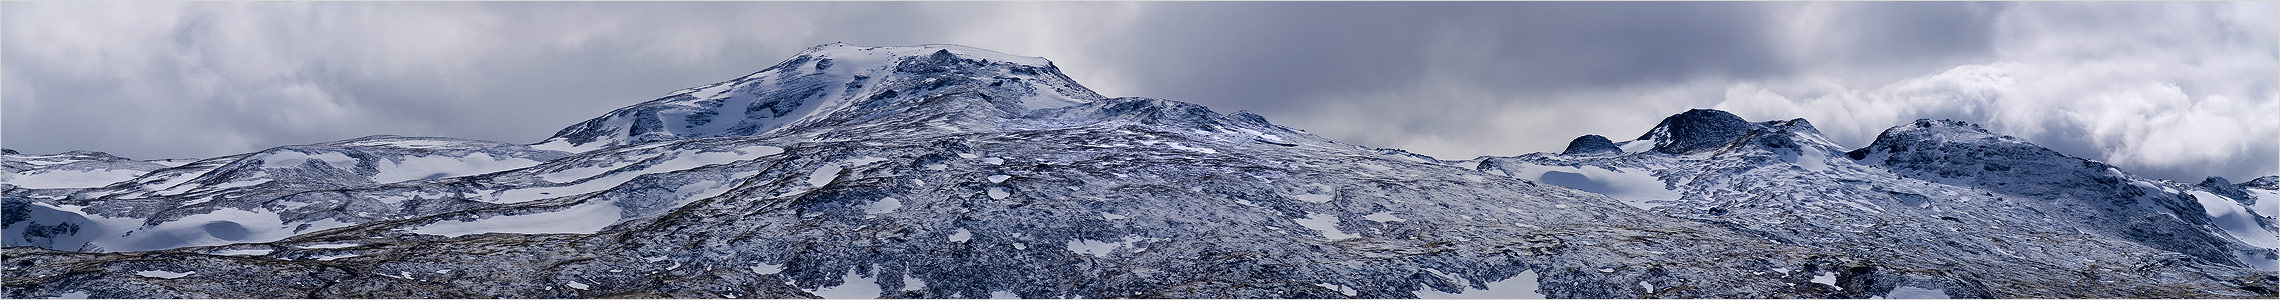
[2220,186]
[1944,129]
[1697,129]
[832,84]
[2266,182]
[1590,144]
[1798,125]
[1950,148]
[841,50]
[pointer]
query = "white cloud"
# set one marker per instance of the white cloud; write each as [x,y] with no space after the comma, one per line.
[2172,91]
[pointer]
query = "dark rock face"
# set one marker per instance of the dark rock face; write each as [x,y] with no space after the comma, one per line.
[2222,187]
[2266,182]
[1696,130]
[1590,144]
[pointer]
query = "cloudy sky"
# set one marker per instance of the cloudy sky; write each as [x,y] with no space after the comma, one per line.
[2171,90]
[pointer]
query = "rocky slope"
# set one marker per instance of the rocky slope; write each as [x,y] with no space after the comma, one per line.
[1939,205]
[946,171]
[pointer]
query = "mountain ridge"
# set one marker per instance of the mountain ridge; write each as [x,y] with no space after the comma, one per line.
[943,171]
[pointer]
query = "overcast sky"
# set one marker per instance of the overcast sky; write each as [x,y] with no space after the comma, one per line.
[2171,90]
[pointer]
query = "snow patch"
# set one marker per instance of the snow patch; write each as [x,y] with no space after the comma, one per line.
[1635,146]
[223,225]
[1384,216]
[164,274]
[1634,187]
[584,218]
[1521,286]
[913,284]
[1910,292]
[438,166]
[829,172]
[1100,249]
[854,285]
[961,235]
[71,179]
[243,252]
[883,205]
[2236,220]
[1261,135]
[1326,224]
[765,269]
[1811,160]
[329,245]
[1195,149]
[999,178]
[998,193]
[1828,279]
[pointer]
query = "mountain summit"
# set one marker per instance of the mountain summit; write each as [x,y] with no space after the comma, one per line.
[831,85]
[944,171]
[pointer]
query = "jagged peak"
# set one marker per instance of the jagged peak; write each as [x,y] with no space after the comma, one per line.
[1798,125]
[1696,130]
[2220,186]
[931,51]
[1943,129]
[1929,131]
[2266,182]
[1929,142]
[1590,144]
[830,85]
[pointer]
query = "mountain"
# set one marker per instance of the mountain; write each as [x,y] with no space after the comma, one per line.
[1946,205]
[254,197]
[829,89]
[945,171]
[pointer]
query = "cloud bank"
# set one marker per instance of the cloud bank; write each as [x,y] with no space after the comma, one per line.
[2172,90]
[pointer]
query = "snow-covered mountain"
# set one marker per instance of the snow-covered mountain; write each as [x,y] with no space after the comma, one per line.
[836,86]
[1947,200]
[946,171]
[254,197]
